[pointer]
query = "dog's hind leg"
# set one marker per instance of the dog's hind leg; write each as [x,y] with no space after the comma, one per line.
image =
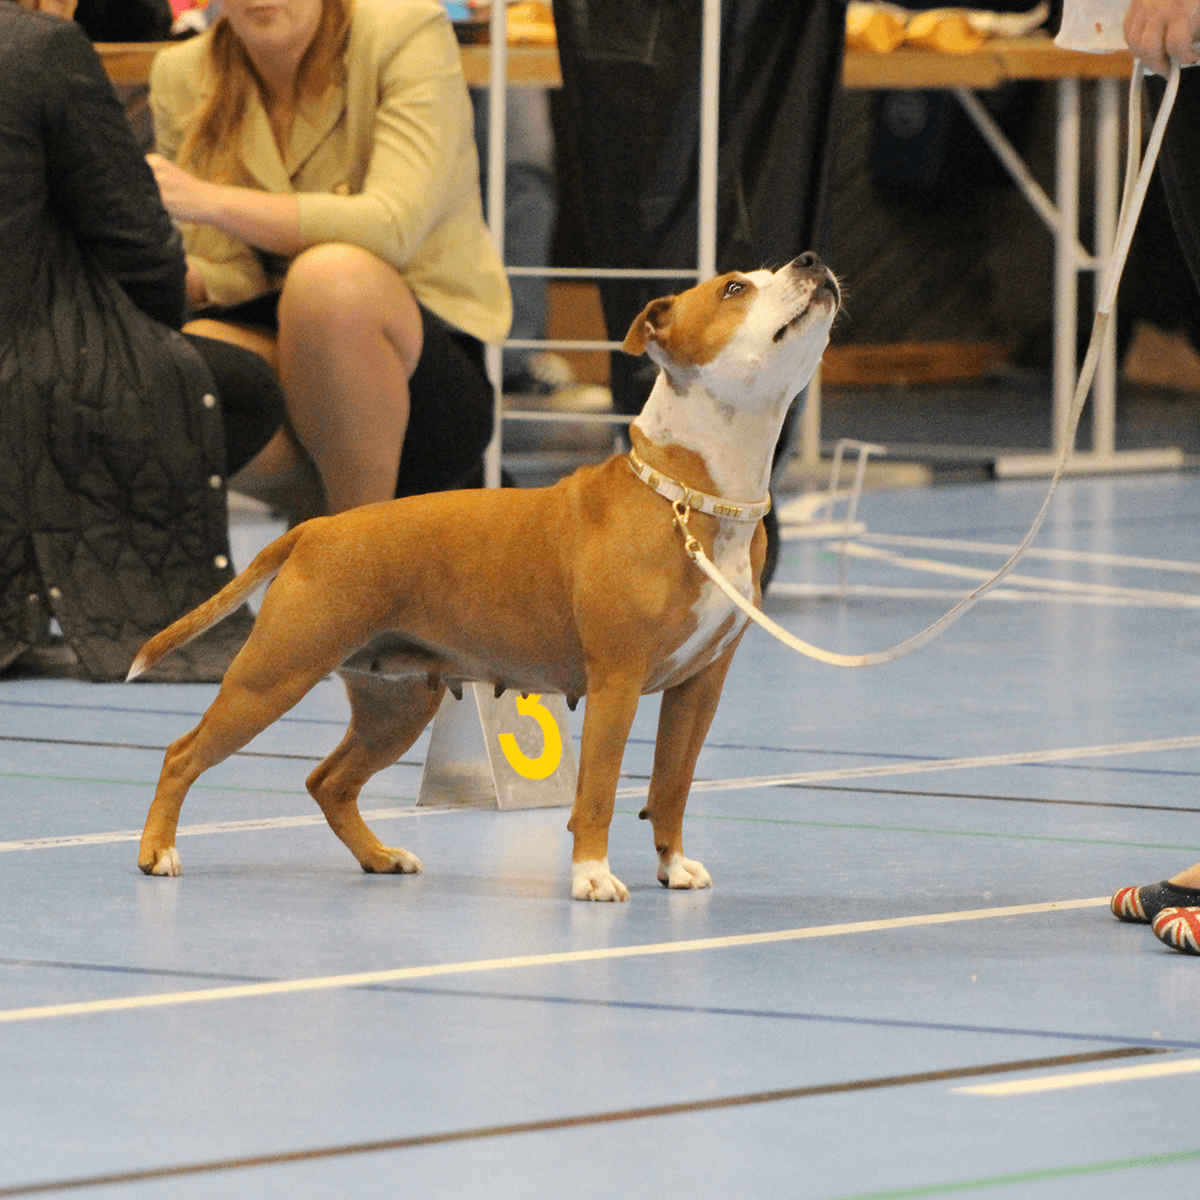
[240,712]
[683,720]
[386,717]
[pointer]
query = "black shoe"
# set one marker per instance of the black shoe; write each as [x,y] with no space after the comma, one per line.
[1143,904]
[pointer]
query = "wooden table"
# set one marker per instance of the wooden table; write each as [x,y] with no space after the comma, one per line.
[528,66]
[995,62]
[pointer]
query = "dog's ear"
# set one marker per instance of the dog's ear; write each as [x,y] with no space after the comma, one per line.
[648,325]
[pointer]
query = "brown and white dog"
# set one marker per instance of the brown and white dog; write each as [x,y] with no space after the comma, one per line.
[583,588]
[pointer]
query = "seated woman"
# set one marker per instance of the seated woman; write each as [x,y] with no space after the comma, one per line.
[322,159]
[118,431]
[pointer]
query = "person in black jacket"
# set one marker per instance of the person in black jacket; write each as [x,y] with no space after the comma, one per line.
[117,432]
[125,20]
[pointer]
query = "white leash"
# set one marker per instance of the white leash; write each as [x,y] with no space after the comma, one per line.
[1134,195]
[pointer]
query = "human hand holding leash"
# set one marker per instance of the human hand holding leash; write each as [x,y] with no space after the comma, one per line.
[1156,30]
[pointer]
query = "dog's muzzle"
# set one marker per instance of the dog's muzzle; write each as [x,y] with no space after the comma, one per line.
[810,267]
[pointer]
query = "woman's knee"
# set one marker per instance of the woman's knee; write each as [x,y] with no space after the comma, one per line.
[337,288]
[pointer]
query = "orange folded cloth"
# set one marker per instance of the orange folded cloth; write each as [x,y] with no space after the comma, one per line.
[945,29]
[531,23]
[879,26]
[876,27]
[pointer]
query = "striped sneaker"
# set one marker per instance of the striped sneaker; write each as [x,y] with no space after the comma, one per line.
[1143,904]
[1179,928]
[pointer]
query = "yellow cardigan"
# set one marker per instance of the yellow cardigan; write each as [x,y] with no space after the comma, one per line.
[386,161]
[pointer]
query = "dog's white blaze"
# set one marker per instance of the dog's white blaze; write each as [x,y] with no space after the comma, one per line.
[739,398]
[731,553]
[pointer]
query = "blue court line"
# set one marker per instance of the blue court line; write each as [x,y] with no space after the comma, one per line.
[118,969]
[821,1018]
[636,1005]
[340,723]
[194,714]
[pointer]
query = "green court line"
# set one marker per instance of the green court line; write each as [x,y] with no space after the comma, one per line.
[995,1181]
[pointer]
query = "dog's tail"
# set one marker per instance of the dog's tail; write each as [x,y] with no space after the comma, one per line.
[266,566]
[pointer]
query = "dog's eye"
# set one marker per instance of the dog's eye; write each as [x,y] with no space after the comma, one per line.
[733,288]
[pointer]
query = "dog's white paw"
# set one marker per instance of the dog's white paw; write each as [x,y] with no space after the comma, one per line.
[391,860]
[165,862]
[594,881]
[680,872]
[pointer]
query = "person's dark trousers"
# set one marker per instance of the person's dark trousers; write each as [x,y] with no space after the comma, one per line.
[1179,163]
[631,100]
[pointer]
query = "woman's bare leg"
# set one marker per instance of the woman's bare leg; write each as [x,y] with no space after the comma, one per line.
[1189,878]
[349,340]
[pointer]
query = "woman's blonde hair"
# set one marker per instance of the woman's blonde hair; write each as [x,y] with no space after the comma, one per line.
[209,146]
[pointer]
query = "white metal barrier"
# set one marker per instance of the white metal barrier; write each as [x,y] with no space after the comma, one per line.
[706,237]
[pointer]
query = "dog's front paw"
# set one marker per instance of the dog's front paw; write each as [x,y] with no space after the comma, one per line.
[162,862]
[389,860]
[594,881]
[680,872]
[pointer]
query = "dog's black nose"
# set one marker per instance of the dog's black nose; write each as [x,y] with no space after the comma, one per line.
[808,261]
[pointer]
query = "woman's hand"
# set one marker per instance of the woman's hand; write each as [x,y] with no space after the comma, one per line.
[1156,29]
[185,197]
[266,220]
[197,289]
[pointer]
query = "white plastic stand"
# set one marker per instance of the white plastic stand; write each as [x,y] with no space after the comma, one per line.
[509,752]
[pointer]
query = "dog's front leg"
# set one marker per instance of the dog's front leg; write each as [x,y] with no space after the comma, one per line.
[683,720]
[610,711]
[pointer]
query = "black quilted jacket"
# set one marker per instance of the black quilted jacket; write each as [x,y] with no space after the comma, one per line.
[112,496]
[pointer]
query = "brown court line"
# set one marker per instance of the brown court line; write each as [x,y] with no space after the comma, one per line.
[576,1122]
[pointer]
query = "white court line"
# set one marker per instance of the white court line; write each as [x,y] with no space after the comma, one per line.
[1052,1083]
[474,966]
[817,591]
[1080,556]
[1065,586]
[251,826]
[935,764]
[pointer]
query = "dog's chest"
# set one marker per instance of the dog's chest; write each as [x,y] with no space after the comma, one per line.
[714,623]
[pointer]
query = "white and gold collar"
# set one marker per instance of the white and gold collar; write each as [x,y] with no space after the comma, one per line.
[714,506]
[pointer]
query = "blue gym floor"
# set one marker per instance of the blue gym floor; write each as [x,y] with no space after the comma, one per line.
[910,905]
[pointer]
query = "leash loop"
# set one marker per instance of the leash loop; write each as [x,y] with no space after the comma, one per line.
[1137,180]
[691,546]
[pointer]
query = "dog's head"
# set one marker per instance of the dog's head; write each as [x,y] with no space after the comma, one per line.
[762,330]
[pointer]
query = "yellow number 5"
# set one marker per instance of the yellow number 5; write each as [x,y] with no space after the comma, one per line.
[547,762]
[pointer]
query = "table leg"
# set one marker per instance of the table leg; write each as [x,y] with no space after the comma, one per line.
[1108,141]
[1066,264]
